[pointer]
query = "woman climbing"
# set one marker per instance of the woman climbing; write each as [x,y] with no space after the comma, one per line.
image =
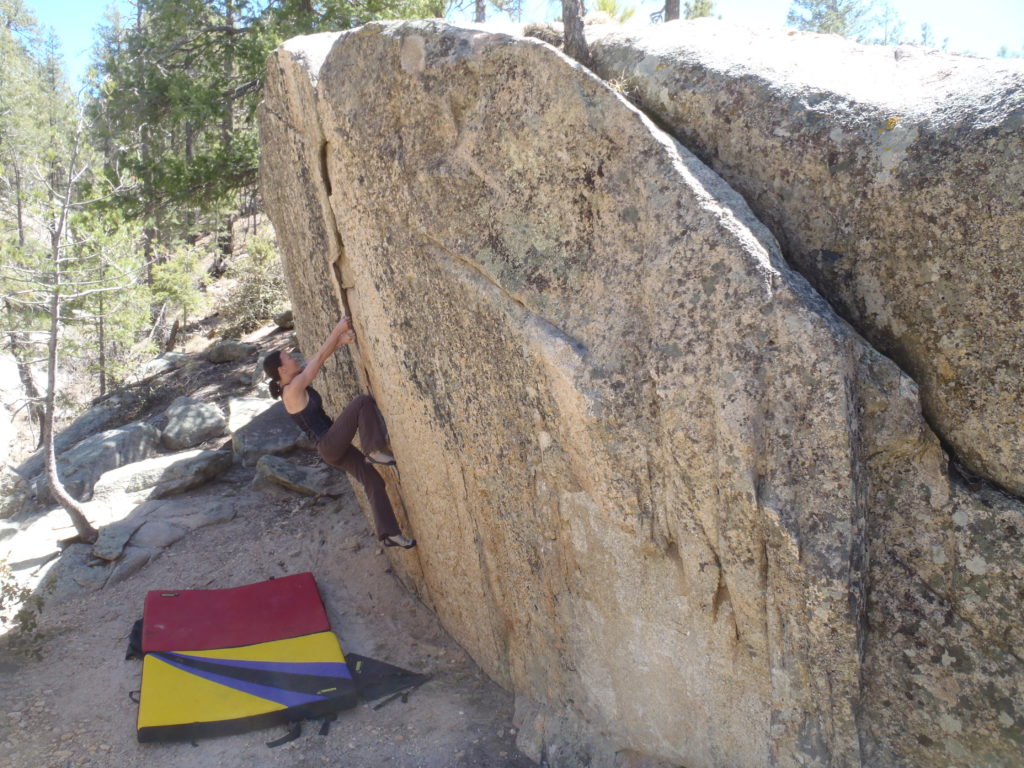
[293,382]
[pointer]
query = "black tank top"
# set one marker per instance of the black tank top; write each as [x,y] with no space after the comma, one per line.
[312,420]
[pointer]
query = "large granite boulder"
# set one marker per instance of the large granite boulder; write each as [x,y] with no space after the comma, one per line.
[662,492]
[892,178]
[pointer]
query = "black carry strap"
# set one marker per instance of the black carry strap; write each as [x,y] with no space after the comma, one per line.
[135,642]
[292,735]
[325,722]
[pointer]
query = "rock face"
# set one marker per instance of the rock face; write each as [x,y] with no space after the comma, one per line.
[661,490]
[892,178]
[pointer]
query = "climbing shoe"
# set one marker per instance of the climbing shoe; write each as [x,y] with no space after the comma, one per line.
[398,540]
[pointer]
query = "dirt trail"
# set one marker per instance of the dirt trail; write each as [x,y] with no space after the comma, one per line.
[72,708]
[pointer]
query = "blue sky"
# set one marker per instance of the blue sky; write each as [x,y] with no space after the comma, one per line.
[979,27]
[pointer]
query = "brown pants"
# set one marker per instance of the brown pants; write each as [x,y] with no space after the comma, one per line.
[336,449]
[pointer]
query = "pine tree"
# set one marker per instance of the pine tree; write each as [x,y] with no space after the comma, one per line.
[849,18]
[617,11]
[698,9]
[52,273]
[175,95]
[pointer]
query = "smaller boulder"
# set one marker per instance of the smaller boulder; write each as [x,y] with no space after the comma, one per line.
[157,534]
[260,426]
[75,573]
[285,321]
[191,422]
[551,33]
[132,560]
[310,481]
[14,492]
[164,475]
[230,352]
[114,537]
[158,366]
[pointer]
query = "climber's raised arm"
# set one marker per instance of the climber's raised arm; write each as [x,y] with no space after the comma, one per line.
[341,335]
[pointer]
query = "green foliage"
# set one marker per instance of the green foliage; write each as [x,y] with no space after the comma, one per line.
[116,314]
[890,25]
[259,290]
[19,610]
[697,9]
[849,18]
[618,11]
[179,281]
[175,92]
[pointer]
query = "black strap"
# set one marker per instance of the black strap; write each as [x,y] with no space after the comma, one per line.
[135,696]
[325,722]
[292,735]
[135,642]
[403,695]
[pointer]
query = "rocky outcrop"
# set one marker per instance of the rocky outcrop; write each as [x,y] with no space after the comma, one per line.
[892,178]
[81,466]
[661,490]
[108,414]
[165,475]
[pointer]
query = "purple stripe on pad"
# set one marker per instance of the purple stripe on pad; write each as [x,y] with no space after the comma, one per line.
[319,668]
[270,693]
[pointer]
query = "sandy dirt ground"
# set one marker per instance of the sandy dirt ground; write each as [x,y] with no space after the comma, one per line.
[71,709]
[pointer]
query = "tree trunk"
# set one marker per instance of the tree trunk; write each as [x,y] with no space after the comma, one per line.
[671,10]
[480,16]
[101,332]
[74,509]
[86,532]
[575,42]
[17,342]
[228,122]
[20,205]
[172,337]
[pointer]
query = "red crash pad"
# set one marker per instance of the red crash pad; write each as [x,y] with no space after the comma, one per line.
[205,619]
